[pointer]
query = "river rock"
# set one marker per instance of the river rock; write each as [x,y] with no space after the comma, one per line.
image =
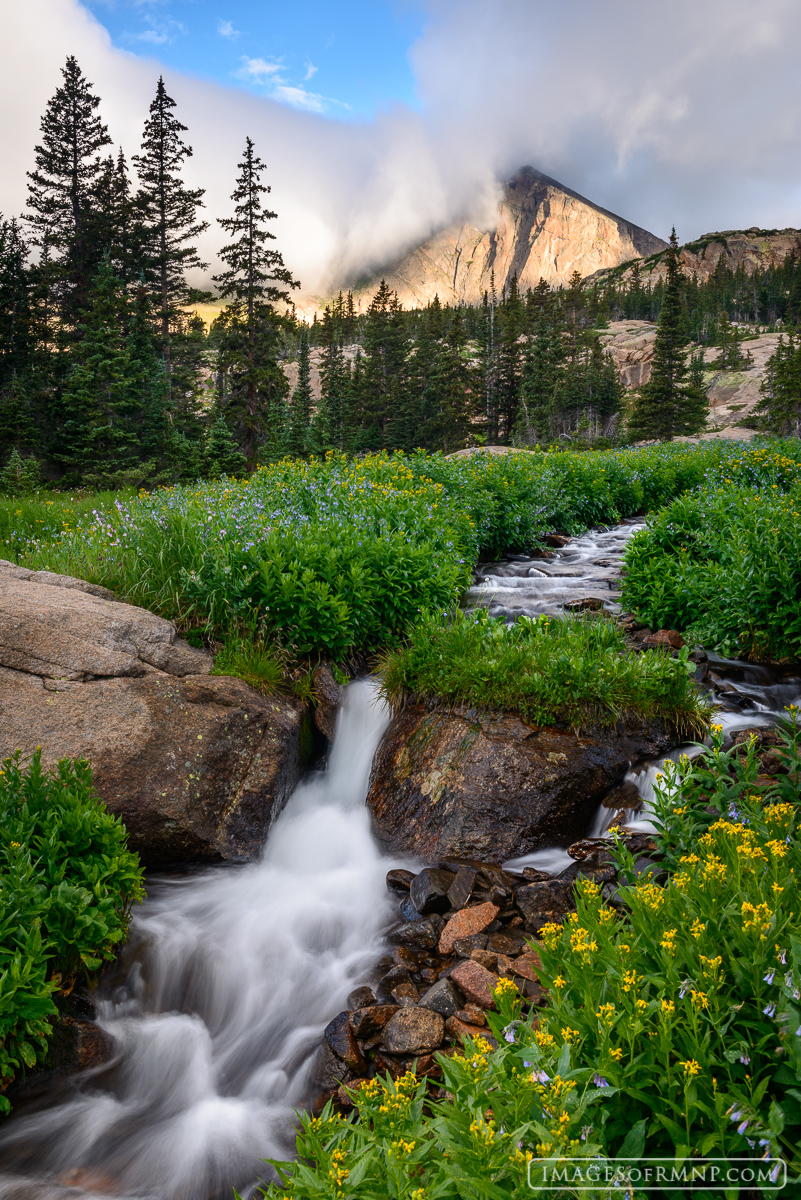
[461,888]
[442,997]
[342,1040]
[361,997]
[429,890]
[466,922]
[460,1030]
[196,766]
[422,935]
[476,982]
[413,1030]
[543,903]
[367,1022]
[471,785]
[328,694]
[399,880]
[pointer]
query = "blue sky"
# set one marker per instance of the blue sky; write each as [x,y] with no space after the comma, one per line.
[344,60]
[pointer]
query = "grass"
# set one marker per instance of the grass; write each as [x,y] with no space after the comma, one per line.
[252,661]
[573,671]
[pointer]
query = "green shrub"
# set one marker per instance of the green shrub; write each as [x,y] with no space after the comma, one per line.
[573,670]
[724,566]
[67,884]
[252,661]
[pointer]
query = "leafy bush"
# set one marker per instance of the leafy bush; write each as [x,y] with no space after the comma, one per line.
[673,1027]
[725,567]
[67,884]
[573,670]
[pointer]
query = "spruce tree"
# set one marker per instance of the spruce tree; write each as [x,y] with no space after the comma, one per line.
[670,403]
[99,434]
[114,220]
[169,214]
[452,392]
[780,406]
[61,188]
[255,281]
[384,391]
[223,456]
[301,403]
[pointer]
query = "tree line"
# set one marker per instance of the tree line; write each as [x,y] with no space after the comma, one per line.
[108,378]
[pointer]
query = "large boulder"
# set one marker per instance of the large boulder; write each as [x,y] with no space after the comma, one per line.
[197,766]
[486,786]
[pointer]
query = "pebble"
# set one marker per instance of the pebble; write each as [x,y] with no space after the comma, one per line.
[466,922]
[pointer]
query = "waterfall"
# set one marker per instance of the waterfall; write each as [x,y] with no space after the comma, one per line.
[229,977]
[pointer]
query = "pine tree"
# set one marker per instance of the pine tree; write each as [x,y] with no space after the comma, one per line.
[452,391]
[488,359]
[255,281]
[99,433]
[301,403]
[61,188]
[223,456]
[169,213]
[385,370]
[670,403]
[114,220]
[780,405]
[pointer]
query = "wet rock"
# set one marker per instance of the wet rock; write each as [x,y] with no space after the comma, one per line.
[366,1023]
[466,922]
[527,965]
[600,872]
[584,604]
[465,946]
[507,943]
[408,911]
[664,637]
[487,959]
[461,888]
[464,785]
[556,540]
[405,991]
[362,997]
[541,903]
[534,876]
[329,1070]
[429,890]
[474,1015]
[341,1039]
[399,880]
[419,934]
[328,696]
[625,796]
[461,1030]
[386,1064]
[395,975]
[443,997]
[412,1031]
[475,981]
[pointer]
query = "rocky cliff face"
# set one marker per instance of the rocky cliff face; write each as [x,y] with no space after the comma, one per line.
[543,231]
[752,249]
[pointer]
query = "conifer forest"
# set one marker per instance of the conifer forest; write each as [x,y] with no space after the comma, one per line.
[110,378]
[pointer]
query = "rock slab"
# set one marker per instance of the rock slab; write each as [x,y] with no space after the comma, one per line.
[458,783]
[196,766]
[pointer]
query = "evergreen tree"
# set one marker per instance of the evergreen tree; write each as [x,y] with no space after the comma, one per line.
[255,281]
[333,416]
[99,434]
[15,303]
[61,188]
[169,214]
[114,221]
[223,456]
[488,359]
[384,392]
[780,405]
[301,403]
[451,391]
[670,403]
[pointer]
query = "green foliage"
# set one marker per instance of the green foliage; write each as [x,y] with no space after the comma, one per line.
[20,476]
[688,1003]
[671,402]
[724,564]
[569,670]
[67,884]
[781,388]
[251,660]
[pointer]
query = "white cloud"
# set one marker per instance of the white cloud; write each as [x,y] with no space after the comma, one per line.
[310,71]
[692,117]
[226,30]
[257,70]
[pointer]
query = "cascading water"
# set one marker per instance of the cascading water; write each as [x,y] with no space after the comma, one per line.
[230,976]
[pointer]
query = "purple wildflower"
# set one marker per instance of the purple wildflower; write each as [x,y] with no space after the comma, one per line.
[769,1010]
[599,1080]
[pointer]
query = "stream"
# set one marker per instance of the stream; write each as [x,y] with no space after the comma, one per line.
[230,973]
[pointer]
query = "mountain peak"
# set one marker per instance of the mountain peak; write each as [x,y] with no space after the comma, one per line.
[542,230]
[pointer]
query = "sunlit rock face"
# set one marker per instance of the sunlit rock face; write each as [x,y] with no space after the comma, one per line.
[543,231]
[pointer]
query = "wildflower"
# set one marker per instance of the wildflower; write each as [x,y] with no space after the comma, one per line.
[697,928]
[599,1081]
[586,1130]
[690,1068]
[617,1053]
[769,1010]
[668,1008]
[769,977]
[684,989]
[509,1032]
[558,982]
[539,1076]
